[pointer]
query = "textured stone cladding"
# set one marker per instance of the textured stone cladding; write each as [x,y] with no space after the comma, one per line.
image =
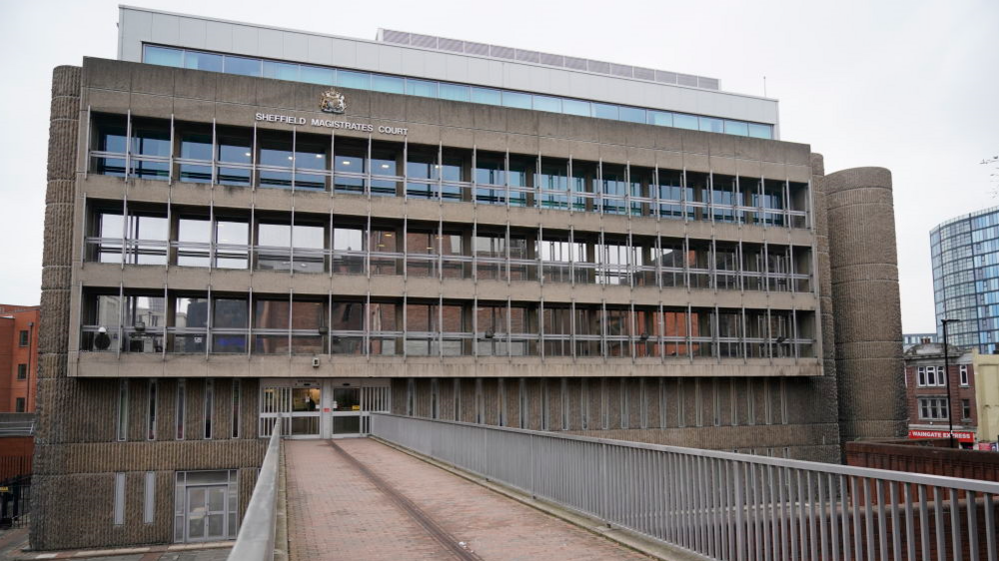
[77,452]
[757,415]
[868,318]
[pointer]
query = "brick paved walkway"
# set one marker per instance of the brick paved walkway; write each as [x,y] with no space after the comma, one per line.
[335,512]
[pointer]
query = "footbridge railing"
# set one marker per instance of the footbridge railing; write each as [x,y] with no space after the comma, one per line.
[723,505]
[255,541]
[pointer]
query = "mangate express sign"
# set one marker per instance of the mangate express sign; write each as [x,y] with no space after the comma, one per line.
[962,436]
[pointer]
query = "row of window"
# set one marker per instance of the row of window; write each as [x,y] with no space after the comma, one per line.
[327,76]
[200,324]
[649,391]
[304,243]
[152,399]
[938,409]
[929,376]
[240,156]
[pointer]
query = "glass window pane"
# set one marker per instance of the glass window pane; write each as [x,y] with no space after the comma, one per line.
[356,80]
[203,61]
[421,88]
[163,56]
[737,128]
[517,100]
[316,75]
[576,107]
[242,66]
[483,95]
[229,314]
[309,237]
[760,131]
[387,84]
[711,125]
[604,111]
[682,121]
[280,70]
[454,92]
[661,118]
[632,115]
[543,103]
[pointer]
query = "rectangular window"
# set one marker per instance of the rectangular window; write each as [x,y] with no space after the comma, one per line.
[236,402]
[19,405]
[921,374]
[523,403]
[941,376]
[181,408]
[149,498]
[434,396]
[22,338]
[151,406]
[933,408]
[209,406]
[119,499]
[22,371]
[966,409]
[964,375]
[122,424]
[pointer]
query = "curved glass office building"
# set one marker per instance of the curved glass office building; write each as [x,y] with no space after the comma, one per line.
[965,254]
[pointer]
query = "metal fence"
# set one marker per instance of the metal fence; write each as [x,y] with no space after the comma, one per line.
[723,505]
[255,541]
[15,502]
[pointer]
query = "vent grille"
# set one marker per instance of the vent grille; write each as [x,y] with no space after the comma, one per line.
[547,59]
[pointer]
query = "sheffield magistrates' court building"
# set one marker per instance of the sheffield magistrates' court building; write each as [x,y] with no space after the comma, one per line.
[245,222]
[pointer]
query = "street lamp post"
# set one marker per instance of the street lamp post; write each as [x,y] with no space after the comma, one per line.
[950,408]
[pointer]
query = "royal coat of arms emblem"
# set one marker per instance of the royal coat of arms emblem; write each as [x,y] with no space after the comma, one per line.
[332,101]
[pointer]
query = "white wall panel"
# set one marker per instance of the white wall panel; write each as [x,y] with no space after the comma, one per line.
[165,29]
[270,43]
[344,53]
[367,55]
[457,68]
[246,40]
[412,62]
[390,60]
[435,65]
[320,50]
[296,46]
[192,33]
[516,77]
[218,36]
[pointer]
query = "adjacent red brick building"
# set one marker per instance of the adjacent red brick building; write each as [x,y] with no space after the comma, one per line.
[926,393]
[18,357]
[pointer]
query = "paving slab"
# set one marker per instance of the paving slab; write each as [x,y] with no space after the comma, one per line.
[338,512]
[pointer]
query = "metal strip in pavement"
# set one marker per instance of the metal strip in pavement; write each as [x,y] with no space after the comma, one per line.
[423,519]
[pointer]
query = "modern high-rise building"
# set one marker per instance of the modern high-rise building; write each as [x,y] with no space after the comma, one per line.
[244,222]
[965,253]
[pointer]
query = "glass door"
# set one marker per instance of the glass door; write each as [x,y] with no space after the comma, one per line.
[206,513]
[346,412]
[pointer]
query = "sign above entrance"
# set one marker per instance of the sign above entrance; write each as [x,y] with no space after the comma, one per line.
[330,124]
[962,436]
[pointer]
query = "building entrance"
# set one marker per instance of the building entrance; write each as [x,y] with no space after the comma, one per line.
[321,407]
[206,513]
[346,412]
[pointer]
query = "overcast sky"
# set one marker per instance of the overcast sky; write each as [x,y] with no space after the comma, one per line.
[908,85]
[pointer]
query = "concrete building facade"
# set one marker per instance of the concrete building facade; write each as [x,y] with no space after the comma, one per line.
[18,357]
[237,228]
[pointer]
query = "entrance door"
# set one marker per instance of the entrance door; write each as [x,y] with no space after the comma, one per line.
[346,412]
[206,513]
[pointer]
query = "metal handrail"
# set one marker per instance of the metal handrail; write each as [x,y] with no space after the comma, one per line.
[17,428]
[255,541]
[722,505]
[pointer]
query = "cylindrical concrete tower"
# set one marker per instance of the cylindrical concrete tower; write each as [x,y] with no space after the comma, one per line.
[867,311]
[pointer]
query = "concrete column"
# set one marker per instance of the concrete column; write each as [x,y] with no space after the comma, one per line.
[865,296]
